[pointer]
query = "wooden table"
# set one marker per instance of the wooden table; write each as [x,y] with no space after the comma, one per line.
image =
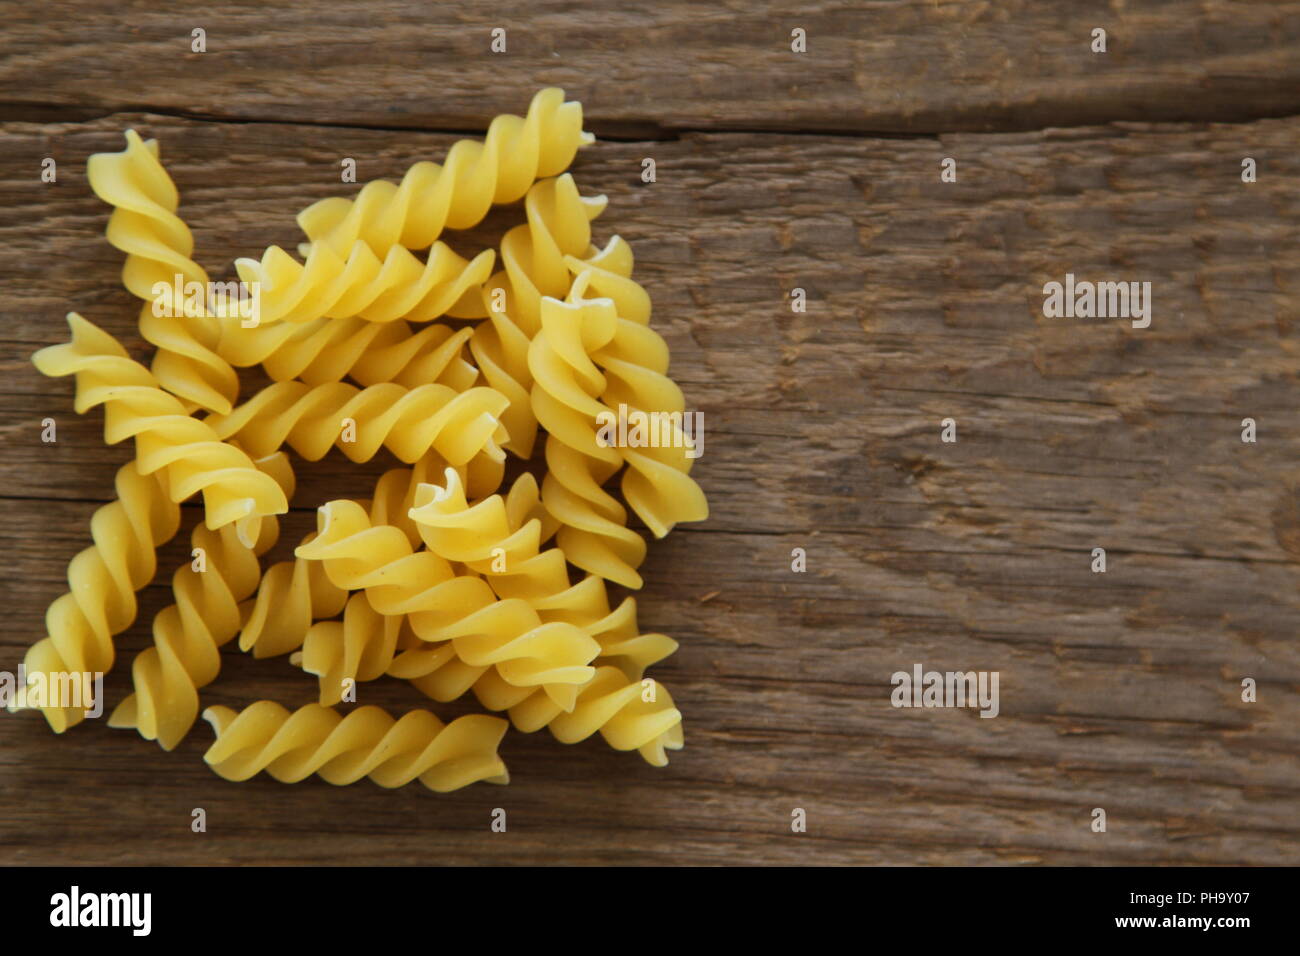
[775,170]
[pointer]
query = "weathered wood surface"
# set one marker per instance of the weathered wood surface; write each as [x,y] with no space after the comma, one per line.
[1119,690]
[652,68]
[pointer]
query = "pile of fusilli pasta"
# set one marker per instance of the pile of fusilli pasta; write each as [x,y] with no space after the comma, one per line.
[442,577]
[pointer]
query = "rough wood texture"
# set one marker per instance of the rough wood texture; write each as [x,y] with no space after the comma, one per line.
[1119,691]
[650,68]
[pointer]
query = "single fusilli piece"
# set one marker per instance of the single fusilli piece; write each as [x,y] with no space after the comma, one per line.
[103,581]
[458,194]
[158,247]
[408,421]
[631,714]
[593,534]
[399,286]
[193,456]
[328,350]
[657,483]
[368,742]
[593,369]
[535,256]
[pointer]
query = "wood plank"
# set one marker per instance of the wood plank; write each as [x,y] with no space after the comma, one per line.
[1118,690]
[651,69]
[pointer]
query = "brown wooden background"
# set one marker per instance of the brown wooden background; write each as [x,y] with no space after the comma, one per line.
[775,170]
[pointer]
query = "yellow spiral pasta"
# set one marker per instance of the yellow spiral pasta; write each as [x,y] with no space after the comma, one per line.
[657,484]
[158,247]
[593,534]
[103,581]
[394,494]
[441,675]
[442,577]
[500,534]
[631,714]
[193,456]
[457,195]
[408,421]
[295,593]
[327,350]
[445,607]
[611,276]
[482,536]
[360,647]
[535,256]
[289,597]
[498,538]
[543,582]
[187,635]
[368,742]
[399,286]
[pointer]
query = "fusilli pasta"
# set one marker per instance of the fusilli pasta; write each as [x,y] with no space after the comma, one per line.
[398,287]
[188,634]
[456,195]
[535,259]
[443,606]
[102,584]
[366,743]
[193,456]
[158,247]
[593,534]
[408,421]
[498,538]
[441,578]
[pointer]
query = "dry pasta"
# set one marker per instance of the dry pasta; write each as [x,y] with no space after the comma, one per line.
[656,484]
[593,535]
[158,247]
[535,258]
[362,645]
[407,421]
[442,578]
[193,456]
[327,285]
[327,350]
[629,714]
[188,634]
[366,743]
[102,583]
[443,606]
[498,538]
[456,195]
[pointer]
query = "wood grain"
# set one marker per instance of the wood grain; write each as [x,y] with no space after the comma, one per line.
[1118,690]
[652,68]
